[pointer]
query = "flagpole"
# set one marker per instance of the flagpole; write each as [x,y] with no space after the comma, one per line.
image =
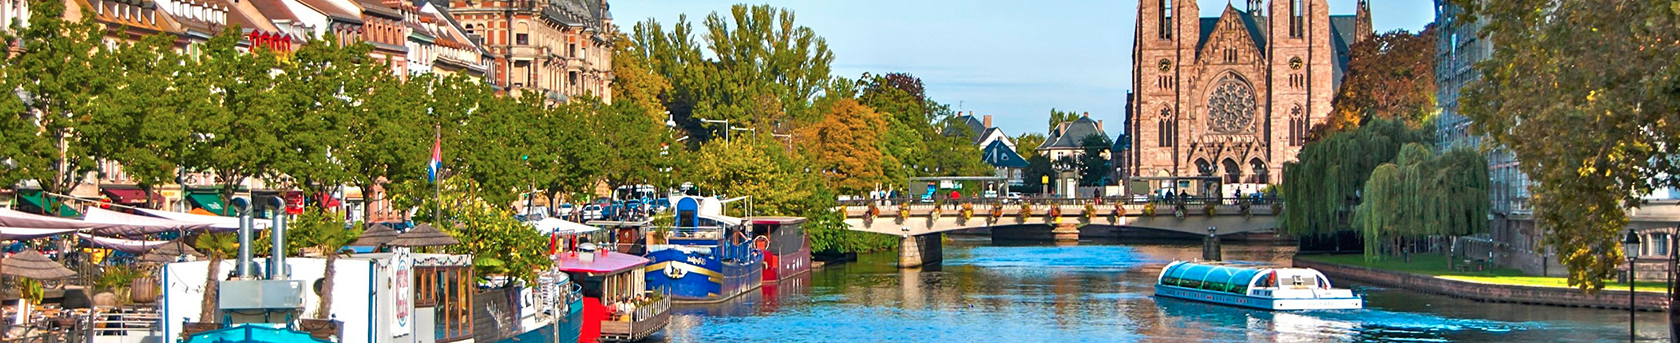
[437,185]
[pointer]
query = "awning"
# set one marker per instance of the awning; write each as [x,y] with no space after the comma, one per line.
[17,233]
[217,223]
[125,224]
[127,196]
[124,245]
[35,199]
[209,202]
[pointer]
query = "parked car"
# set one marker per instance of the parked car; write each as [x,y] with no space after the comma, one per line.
[661,205]
[592,212]
[565,210]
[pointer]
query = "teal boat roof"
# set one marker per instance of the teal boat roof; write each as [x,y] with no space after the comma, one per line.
[252,333]
[1204,272]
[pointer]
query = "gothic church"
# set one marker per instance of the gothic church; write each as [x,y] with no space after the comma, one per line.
[1232,96]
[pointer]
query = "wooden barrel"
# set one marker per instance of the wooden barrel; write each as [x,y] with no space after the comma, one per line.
[143,290]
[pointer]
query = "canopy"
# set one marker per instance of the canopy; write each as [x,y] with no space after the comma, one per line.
[376,235]
[208,201]
[165,253]
[12,218]
[610,263]
[31,264]
[19,233]
[423,235]
[218,223]
[124,245]
[131,225]
[553,225]
[37,199]
[128,196]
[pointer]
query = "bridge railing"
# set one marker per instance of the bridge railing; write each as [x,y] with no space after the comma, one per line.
[1044,201]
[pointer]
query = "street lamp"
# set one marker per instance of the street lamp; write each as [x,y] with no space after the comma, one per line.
[754,131]
[1630,248]
[725,126]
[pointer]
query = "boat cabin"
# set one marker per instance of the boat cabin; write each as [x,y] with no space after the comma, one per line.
[617,305]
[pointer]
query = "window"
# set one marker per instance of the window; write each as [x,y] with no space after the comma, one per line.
[471,30]
[1260,174]
[1295,24]
[1297,127]
[1658,244]
[1165,19]
[449,290]
[1168,128]
[572,78]
[1231,106]
[1233,173]
[522,39]
[572,50]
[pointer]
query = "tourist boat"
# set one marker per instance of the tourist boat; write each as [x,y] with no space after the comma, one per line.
[708,257]
[617,304]
[787,252]
[1261,288]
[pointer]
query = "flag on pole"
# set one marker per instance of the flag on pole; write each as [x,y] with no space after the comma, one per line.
[437,160]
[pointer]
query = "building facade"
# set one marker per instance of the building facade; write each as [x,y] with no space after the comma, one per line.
[1232,96]
[560,48]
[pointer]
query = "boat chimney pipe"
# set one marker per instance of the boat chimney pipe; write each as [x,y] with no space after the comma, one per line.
[277,269]
[244,262]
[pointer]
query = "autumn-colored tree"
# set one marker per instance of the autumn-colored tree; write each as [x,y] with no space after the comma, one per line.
[1585,94]
[1391,75]
[634,78]
[844,143]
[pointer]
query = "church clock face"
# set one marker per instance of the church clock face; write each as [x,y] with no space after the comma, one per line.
[1165,65]
[1231,106]
[1295,63]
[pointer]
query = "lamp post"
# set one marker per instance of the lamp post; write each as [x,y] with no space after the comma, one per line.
[1630,248]
[725,126]
[754,131]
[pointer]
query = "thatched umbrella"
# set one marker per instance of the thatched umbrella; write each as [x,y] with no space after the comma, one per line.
[31,264]
[423,235]
[379,234]
[170,253]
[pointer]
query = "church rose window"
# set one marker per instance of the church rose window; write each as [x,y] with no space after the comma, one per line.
[1231,106]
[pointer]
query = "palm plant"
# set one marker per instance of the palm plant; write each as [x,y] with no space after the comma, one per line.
[216,247]
[316,229]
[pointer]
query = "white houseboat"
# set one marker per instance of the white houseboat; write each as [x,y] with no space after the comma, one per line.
[1261,288]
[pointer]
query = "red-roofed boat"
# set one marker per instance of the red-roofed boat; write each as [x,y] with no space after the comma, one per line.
[618,307]
[787,253]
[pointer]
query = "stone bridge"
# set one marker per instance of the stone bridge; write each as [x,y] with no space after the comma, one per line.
[919,223]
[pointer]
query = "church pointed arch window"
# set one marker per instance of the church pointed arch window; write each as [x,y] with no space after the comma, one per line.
[1233,172]
[1168,129]
[1261,175]
[1204,168]
[1297,27]
[1298,126]
[1165,19]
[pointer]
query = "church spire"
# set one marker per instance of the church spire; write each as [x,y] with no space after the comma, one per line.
[1362,22]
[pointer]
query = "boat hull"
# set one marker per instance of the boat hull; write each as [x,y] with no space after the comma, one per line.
[1263,303]
[780,267]
[695,277]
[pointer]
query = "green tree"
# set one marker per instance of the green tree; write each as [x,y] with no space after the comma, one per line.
[499,243]
[142,127]
[1027,144]
[1093,163]
[1057,117]
[565,157]
[1584,93]
[238,118]
[57,77]
[1421,194]
[347,119]
[1322,187]
[1038,168]
[631,143]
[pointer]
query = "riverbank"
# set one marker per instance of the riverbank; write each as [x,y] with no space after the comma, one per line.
[1435,279]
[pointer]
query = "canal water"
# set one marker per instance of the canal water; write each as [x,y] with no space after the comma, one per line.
[1101,292]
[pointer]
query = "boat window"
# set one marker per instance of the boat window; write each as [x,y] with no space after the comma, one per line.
[449,289]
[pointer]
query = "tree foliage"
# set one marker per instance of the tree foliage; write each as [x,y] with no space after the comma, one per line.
[844,145]
[56,80]
[1421,194]
[1390,76]
[1585,94]
[1322,189]
[1057,117]
[1027,144]
[1092,163]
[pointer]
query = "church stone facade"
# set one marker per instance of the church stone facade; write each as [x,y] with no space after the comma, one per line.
[1232,96]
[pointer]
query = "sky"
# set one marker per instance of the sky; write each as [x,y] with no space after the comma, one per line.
[1014,60]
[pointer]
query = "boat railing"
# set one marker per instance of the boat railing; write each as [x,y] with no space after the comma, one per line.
[123,323]
[652,310]
[698,232]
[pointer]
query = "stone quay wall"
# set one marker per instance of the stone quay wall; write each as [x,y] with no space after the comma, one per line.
[1654,300]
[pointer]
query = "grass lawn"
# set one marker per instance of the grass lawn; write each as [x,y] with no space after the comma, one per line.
[1436,265]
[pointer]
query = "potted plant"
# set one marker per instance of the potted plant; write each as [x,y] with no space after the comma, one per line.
[903,212]
[1247,211]
[1026,212]
[1089,212]
[967,212]
[1149,209]
[1055,214]
[1209,209]
[1119,211]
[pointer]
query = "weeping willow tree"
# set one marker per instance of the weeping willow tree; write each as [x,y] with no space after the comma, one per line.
[1322,189]
[1422,195]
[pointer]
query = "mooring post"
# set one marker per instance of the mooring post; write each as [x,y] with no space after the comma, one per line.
[1210,246]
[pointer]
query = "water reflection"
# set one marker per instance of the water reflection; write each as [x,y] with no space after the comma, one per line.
[1098,292]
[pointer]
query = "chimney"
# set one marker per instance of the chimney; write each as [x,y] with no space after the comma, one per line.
[988,121]
[1099,125]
